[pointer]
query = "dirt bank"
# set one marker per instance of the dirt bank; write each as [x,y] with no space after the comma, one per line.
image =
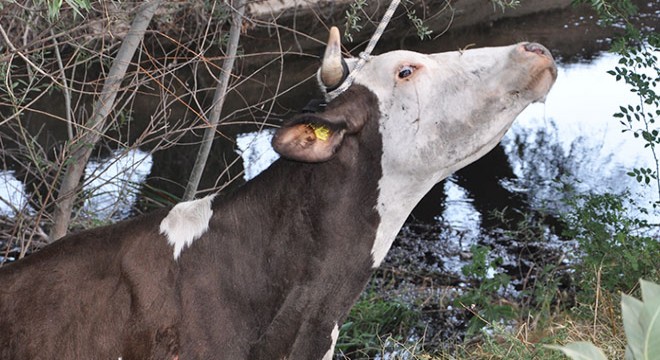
[307,21]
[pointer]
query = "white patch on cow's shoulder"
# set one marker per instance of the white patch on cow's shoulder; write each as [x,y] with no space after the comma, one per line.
[186,222]
[333,336]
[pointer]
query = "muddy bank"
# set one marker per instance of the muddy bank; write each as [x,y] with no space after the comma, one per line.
[310,19]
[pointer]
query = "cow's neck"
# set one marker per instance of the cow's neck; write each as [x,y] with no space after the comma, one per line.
[332,204]
[397,198]
[354,185]
[341,193]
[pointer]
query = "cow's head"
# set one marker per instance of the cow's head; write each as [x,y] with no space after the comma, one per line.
[438,112]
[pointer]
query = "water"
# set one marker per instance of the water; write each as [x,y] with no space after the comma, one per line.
[12,194]
[113,184]
[256,152]
[111,187]
[592,150]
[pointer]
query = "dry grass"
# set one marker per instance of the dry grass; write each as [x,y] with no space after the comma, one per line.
[604,329]
[598,322]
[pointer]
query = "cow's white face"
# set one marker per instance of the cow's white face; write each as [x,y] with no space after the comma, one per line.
[440,112]
[443,111]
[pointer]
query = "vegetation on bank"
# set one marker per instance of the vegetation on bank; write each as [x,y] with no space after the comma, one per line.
[562,304]
[96,64]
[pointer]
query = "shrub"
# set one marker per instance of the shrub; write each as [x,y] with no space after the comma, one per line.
[613,242]
[481,299]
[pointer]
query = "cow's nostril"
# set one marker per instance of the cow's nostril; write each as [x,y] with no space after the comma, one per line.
[536,48]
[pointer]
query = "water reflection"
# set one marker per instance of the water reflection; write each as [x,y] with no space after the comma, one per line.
[111,187]
[114,183]
[256,151]
[574,138]
[12,194]
[570,141]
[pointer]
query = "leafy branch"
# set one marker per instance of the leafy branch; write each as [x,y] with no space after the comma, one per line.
[638,68]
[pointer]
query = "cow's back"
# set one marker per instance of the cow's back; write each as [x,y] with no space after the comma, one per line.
[87,296]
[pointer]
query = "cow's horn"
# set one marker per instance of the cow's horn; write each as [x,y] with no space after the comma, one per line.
[333,71]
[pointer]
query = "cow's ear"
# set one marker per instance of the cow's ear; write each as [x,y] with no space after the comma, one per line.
[308,139]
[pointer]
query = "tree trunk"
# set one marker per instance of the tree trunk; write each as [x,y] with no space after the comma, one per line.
[81,149]
[238,9]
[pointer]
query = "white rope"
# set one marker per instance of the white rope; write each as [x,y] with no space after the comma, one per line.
[365,55]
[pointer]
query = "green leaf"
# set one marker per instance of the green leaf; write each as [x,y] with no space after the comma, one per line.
[629,355]
[580,350]
[54,9]
[651,318]
[631,310]
[77,5]
[648,136]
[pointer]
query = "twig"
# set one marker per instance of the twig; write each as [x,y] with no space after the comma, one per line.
[65,88]
[218,101]
[25,58]
[598,274]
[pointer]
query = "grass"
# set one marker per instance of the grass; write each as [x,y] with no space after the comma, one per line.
[597,320]
[525,340]
[600,325]
[374,324]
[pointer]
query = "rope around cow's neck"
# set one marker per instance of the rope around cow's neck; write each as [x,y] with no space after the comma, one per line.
[364,56]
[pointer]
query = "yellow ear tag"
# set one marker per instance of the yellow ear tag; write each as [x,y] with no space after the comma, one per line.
[321,132]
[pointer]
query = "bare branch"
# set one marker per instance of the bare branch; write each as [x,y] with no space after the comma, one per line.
[218,100]
[81,150]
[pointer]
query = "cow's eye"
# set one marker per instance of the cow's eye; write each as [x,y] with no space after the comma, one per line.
[405,71]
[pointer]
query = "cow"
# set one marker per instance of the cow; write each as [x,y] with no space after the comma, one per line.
[271,270]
